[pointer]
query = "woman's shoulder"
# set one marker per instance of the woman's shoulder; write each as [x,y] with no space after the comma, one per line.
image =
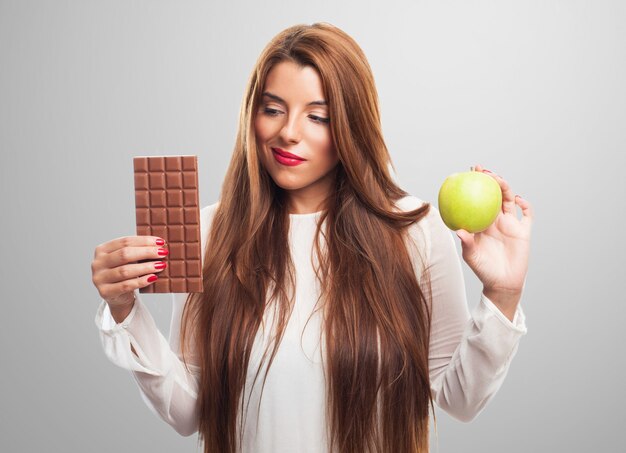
[208,211]
[412,202]
[421,232]
[409,203]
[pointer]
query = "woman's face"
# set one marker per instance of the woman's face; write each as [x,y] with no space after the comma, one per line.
[293,118]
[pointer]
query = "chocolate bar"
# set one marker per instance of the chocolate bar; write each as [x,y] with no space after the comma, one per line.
[166,206]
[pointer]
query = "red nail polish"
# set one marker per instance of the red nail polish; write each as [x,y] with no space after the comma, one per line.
[163,252]
[152,278]
[160,265]
[160,242]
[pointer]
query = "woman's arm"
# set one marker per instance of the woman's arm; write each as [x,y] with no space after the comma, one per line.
[136,344]
[469,355]
[166,387]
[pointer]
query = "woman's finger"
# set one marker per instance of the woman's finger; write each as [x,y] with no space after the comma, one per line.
[128,255]
[508,197]
[527,210]
[111,291]
[128,241]
[131,271]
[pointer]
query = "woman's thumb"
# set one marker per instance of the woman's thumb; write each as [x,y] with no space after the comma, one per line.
[467,239]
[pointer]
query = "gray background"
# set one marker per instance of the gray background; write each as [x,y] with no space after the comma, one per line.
[533,91]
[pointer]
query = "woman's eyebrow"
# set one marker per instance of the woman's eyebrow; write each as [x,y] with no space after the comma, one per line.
[276,98]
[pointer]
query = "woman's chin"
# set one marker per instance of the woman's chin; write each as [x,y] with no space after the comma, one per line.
[288,186]
[288,183]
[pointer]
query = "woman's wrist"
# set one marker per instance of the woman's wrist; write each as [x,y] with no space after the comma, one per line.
[120,312]
[506,301]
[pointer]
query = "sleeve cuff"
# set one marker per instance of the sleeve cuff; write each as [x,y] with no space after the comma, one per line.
[105,322]
[519,318]
[116,340]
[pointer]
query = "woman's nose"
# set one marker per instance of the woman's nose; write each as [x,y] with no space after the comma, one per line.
[290,131]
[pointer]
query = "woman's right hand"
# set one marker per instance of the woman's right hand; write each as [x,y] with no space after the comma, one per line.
[115,270]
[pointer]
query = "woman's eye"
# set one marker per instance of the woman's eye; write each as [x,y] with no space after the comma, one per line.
[271,112]
[318,119]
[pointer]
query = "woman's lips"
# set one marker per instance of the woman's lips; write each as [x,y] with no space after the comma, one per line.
[283,157]
[284,153]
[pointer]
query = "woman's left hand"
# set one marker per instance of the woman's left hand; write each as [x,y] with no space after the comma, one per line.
[499,255]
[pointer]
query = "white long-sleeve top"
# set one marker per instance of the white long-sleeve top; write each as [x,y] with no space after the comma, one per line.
[469,355]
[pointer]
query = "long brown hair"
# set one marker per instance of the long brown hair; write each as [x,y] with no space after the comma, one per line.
[376,315]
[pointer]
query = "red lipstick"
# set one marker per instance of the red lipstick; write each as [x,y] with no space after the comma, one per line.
[286,158]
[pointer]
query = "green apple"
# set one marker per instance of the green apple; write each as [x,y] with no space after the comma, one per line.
[469,200]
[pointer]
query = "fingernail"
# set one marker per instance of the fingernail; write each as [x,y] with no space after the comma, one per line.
[152,278]
[163,252]
[160,265]
[160,242]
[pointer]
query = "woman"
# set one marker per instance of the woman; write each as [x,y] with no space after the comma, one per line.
[323,277]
